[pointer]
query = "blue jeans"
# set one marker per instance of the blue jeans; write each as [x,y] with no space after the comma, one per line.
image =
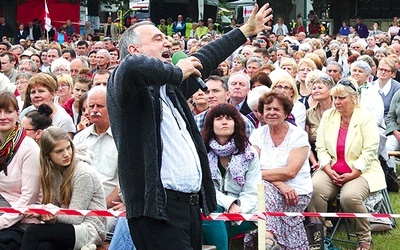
[121,239]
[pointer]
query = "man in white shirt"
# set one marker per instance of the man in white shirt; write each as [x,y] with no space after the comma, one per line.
[99,139]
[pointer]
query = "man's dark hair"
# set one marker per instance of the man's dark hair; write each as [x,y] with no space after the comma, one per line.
[70,51]
[6,44]
[80,43]
[272,49]
[263,51]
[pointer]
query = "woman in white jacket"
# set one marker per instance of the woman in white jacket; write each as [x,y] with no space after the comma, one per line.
[235,171]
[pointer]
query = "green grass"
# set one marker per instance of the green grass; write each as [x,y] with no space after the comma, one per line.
[381,241]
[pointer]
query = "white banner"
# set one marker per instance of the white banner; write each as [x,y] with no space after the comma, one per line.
[247,10]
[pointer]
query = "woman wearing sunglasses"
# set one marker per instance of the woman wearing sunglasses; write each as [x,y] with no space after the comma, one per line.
[347,145]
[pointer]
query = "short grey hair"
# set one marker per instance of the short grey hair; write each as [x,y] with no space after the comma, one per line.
[131,36]
[334,63]
[32,64]
[104,52]
[254,95]
[381,50]
[255,59]
[362,65]
[57,63]
[84,61]
[99,89]
[239,73]
[17,46]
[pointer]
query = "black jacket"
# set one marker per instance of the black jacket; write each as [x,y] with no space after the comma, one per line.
[134,107]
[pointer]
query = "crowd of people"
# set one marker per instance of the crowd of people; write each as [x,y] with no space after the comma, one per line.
[306,115]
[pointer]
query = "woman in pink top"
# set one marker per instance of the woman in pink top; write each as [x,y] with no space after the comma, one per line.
[347,146]
[19,170]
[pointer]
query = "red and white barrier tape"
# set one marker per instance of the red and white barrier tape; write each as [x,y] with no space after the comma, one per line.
[213,216]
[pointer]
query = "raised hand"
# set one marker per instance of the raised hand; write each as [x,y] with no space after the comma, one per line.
[257,21]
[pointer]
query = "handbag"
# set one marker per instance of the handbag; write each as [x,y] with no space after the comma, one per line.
[315,235]
[390,176]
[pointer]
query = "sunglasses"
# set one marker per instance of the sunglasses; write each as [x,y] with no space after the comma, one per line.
[347,83]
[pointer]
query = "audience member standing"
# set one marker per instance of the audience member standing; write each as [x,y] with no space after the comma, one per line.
[70,29]
[110,29]
[5,29]
[361,28]
[280,29]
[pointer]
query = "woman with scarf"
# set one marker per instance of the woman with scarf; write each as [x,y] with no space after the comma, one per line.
[235,171]
[284,151]
[19,172]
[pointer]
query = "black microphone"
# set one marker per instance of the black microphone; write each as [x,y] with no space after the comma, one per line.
[181,55]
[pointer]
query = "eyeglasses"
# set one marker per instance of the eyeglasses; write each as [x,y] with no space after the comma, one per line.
[347,83]
[60,70]
[63,85]
[21,82]
[305,70]
[384,70]
[280,87]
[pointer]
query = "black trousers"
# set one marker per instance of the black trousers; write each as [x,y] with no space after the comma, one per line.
[182,231]
[49,237]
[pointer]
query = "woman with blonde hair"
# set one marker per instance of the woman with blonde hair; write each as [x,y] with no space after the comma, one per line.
[238,64]
[289,65]
[298,55]
[306,65]
[42,88]
[64,90]
[287,86]
[67,181]
[225,67]
[347,145]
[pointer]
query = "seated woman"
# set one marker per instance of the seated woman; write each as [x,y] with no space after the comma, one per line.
[67,181]
[284,151]
[19,171]
[42,88]
[320,92]
[36,121]
[347,146]
[306,65]
[235,171]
